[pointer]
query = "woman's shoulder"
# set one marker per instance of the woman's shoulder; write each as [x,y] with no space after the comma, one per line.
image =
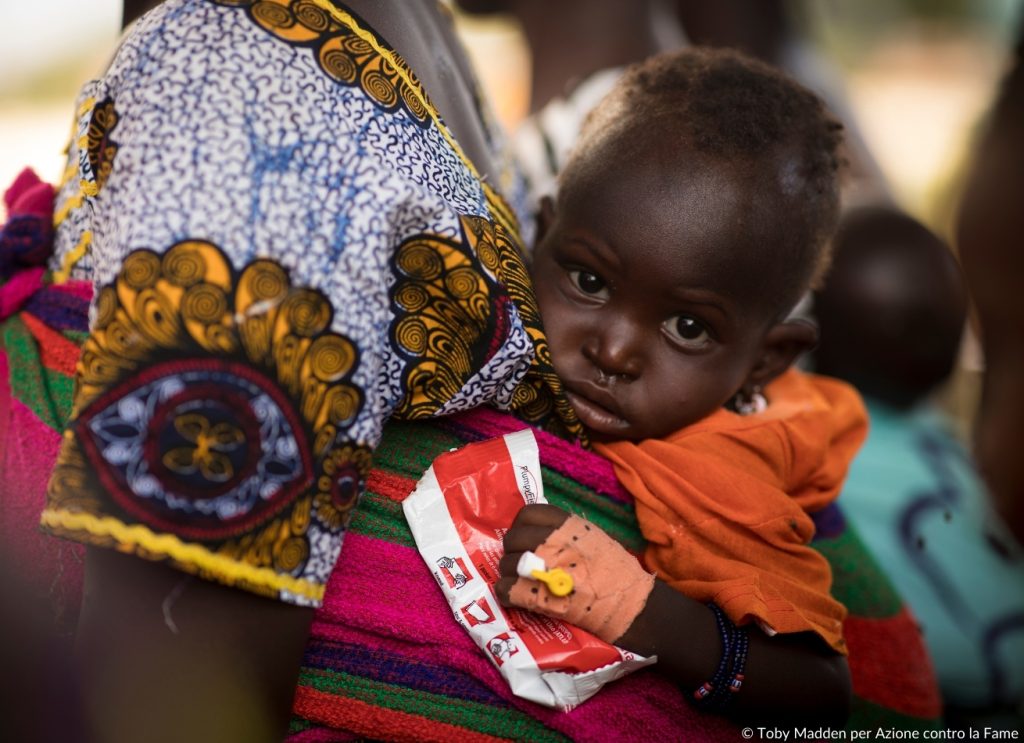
[265,127]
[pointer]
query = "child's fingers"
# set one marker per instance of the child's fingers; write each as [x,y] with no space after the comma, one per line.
[540,514]
[508,564]
[523,538]
[502,588]
[609,586]
[531,527]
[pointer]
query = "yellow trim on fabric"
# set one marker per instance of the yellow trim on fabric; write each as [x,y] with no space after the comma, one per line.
[70,170]
[502,210]
[84,187]
[186,553]
[72,258]
[402,70]
[73,202]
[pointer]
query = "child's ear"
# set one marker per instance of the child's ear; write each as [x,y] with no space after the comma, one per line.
[545,217]
[782,344]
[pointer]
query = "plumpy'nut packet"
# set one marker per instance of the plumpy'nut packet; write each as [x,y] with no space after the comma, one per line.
[459,512]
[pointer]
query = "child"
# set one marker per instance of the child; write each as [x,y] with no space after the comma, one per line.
[913,492]
[693,215]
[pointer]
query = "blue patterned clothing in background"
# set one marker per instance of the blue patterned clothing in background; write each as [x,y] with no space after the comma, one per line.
[288,248]
[919,506]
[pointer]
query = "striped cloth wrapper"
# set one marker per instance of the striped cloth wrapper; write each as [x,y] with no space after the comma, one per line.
[386,659]
[42,326]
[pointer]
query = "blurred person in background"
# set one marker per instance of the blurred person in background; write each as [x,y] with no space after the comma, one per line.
[134,9]
[578,49]
[990,234]
[892,313]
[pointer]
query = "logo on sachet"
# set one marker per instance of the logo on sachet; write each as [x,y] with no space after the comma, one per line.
[454,571]
[501,647]
[527,484]
[478,612]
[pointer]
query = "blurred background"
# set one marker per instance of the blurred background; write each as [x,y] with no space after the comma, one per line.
[917,76]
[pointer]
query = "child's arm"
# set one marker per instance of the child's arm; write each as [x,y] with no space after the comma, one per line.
[792,677]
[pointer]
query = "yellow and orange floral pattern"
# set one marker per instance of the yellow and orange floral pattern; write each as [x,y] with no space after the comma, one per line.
[211,405]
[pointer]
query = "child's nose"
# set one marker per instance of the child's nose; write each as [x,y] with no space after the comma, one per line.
[616,349]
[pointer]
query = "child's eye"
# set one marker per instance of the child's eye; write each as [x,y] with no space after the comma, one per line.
[589,283]
[688,332]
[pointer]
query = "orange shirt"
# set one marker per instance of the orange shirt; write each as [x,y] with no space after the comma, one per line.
[724,503]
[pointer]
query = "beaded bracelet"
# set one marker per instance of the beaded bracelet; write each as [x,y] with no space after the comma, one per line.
[727,680]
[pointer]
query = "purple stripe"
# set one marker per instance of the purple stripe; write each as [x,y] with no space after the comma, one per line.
[829,522]
[60,310]
[394,668]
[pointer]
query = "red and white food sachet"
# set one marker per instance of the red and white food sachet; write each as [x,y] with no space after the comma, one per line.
[458,513]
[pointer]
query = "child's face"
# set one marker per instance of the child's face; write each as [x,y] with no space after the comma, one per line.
[651,313]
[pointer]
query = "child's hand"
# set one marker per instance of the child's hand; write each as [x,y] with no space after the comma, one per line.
[610,585]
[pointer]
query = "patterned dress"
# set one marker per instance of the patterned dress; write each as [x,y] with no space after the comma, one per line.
[288,248]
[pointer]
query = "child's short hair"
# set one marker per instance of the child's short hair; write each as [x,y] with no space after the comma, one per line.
[724,104]
[897,340]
